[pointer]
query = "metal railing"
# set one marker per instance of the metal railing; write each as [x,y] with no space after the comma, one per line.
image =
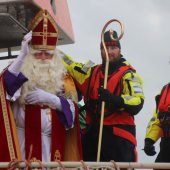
[88,165]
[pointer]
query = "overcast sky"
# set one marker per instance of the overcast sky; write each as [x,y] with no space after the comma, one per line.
[145,44]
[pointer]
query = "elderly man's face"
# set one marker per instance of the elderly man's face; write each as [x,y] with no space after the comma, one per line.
[43,55]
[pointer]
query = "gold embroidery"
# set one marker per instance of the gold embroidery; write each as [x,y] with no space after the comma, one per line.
[57,155]
[6,122]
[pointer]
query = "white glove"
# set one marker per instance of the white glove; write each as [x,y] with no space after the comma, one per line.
[16,65]
[41,97]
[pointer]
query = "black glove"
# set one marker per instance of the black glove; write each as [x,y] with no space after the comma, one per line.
[149,147]
[106,96]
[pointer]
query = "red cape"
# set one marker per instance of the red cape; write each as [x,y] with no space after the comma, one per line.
[9,143]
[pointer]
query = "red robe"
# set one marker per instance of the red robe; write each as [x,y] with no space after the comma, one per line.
[67,148]
[9,144]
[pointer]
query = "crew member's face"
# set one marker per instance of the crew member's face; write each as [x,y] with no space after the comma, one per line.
[43,55]
[113,53]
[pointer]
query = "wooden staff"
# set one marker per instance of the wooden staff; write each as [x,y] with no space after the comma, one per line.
[105,76]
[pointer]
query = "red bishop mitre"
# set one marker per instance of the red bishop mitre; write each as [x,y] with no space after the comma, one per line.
[44,31]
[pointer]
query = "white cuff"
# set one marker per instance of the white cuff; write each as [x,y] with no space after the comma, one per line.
[15,67]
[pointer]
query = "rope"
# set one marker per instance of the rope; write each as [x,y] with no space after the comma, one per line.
[27,162]
[38,161]
[115,165]
[84,166]
[13,164]
[61,165]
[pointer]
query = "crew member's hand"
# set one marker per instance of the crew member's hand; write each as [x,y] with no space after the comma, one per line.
[104,95]
[149,148]
[41,97]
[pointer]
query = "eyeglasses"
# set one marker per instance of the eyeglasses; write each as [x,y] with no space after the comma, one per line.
[43,54]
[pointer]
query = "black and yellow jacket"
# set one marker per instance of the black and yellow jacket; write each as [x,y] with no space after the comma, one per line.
[153,130]
[130,96]
[156,126]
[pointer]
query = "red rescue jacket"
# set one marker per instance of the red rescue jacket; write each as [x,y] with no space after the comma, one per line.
[114,86]
[164,111]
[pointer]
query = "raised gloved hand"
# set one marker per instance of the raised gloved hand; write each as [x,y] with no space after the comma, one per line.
[106,96]
[41,97]
[149,147]
[16,65]
[24,44]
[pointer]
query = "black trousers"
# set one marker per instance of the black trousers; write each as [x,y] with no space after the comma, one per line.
[113,147]
[164,154]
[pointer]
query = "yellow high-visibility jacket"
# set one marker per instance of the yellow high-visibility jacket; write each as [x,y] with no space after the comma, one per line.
[153,130]
[132,93]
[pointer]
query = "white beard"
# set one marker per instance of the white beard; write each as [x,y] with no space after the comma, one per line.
[46,75]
